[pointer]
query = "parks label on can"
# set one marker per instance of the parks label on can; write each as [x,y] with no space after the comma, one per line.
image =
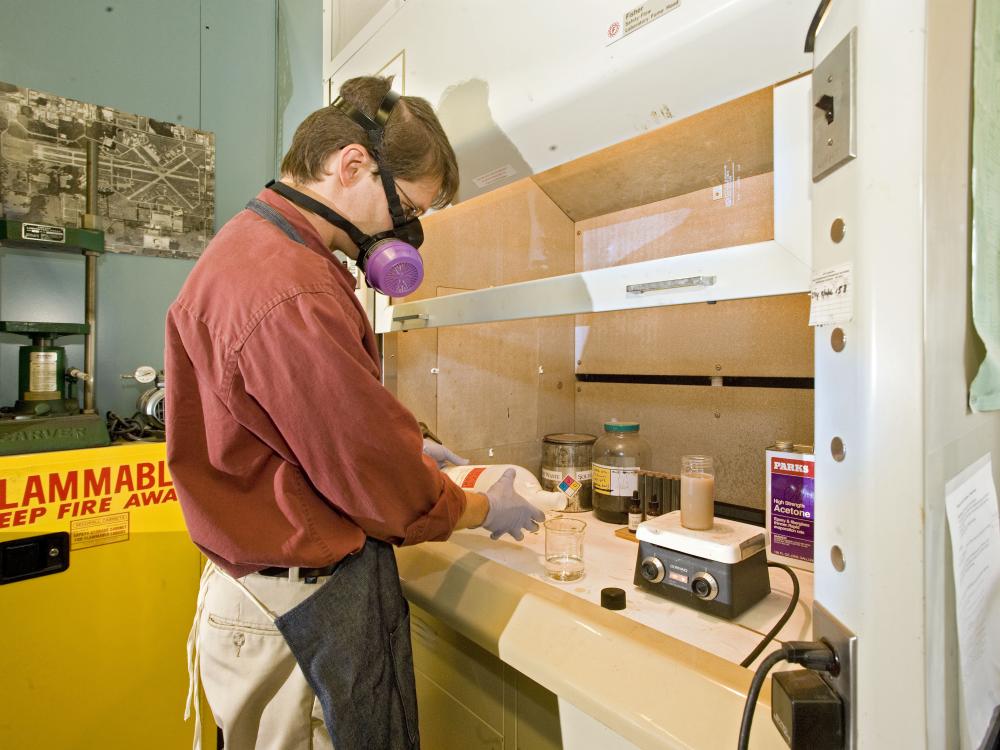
[791,512]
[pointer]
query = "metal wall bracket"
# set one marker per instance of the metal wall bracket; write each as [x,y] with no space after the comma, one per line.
[845,683]
[834,115]
[416,316]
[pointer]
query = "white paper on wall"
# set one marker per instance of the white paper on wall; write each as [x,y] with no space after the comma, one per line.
[831,296]
[974,525]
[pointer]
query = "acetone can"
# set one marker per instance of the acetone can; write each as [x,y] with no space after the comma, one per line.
[791,508]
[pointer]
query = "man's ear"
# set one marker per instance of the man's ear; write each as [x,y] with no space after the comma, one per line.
[352,164]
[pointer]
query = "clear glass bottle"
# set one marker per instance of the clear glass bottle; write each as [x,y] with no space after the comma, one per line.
[618,457]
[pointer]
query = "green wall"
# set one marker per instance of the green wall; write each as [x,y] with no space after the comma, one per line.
[247,70]
[300,66]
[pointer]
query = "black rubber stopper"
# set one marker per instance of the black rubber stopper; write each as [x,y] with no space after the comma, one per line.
[612,598]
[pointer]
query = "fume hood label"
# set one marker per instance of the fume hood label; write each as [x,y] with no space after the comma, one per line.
[494,176]
[832,296]
[637,17]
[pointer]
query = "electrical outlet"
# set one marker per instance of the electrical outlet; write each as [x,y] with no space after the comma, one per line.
[828,628]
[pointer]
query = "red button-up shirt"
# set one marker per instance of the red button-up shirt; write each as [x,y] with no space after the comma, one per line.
[283,445]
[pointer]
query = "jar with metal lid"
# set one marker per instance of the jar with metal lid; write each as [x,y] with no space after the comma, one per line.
[566,468]
[618,457]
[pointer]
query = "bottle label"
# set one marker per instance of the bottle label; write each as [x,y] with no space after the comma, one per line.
[557,475]
[469,481]
[616,480]
[634,519]
[569,486]
[552,475]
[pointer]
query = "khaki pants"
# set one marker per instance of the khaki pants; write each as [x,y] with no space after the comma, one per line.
[258,694]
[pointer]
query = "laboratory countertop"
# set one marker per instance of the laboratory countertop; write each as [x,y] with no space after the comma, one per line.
[658,673]
[610,561]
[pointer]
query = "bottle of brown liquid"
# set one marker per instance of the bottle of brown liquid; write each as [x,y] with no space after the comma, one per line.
[653,506]
[634,512]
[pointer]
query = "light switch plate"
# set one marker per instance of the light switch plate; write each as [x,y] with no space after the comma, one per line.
[834,96]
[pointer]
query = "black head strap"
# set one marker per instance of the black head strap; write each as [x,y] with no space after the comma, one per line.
[310,204]
[410,232]
[375,129]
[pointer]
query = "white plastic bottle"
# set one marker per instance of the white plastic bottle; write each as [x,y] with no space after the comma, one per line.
[481,478]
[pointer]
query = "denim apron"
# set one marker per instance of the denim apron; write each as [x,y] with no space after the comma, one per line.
[352,637]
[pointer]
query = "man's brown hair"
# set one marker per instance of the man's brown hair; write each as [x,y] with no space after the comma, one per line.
[414,145]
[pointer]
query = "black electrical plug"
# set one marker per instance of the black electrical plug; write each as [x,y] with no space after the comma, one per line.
[814,655]
[807,712]
[817,655]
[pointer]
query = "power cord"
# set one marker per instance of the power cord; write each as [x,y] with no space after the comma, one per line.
[816,655]
[781,622]
[137,428]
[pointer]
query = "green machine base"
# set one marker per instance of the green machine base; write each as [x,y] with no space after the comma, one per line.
[48,416]
[40,434]
[23,234]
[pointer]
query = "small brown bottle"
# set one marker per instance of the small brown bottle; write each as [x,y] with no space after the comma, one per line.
[634,512]
[653,506]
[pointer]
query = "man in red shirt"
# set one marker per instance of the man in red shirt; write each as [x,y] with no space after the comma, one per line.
[296,470]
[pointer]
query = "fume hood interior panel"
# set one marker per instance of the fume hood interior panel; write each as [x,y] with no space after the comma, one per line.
[741,233]
[493,390]
[734,138]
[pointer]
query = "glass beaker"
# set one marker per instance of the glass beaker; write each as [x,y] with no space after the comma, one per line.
[564,548]
[697,492]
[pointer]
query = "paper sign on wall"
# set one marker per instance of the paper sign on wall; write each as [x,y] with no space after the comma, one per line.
[831,296]
[974,525]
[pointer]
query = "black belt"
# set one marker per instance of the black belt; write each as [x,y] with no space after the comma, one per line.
[308,575]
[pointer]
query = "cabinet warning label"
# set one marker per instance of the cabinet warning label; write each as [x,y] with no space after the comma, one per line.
[98,530]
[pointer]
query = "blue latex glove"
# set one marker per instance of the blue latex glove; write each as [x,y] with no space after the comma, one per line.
[509,512]
[442,455]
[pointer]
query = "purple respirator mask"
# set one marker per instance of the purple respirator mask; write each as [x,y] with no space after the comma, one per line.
[390,260]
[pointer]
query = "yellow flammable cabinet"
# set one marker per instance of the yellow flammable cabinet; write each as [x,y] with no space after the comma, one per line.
[94,655]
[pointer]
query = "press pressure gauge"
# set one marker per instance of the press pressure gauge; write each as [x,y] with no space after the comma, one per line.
[145,374]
